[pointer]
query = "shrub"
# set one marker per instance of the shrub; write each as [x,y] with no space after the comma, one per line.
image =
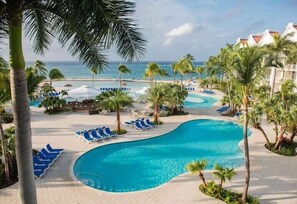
[287,148]
[121,132]
[7,117]
[228,196]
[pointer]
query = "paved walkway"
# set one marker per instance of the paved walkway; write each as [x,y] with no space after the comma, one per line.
[273,177]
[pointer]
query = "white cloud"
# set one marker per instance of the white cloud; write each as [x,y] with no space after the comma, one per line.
[182,30]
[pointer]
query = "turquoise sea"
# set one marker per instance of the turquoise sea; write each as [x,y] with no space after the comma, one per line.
[76,70]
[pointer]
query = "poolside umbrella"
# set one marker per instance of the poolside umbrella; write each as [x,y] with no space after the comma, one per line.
[83,92]
[68,85]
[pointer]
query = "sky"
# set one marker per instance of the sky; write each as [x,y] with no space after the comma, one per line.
[174,28]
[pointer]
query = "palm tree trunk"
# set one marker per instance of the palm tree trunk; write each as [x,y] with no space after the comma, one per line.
[156,110]
[246,145]
[21,112]
[120,79]
[293,134]
[4,156]
[263,132]
[272,83]
[174,77]
[118,121]
[280,138]
[93,80]
[202,179]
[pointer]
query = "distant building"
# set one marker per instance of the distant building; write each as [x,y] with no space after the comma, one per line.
[289,71]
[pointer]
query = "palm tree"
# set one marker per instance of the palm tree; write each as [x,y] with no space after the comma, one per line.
[175,96]
[123,70]
[196,167]
[280,46]
[151,71]
[69,21]
[94,71]
[248,68]
[39,68]
[174,68]
[33,80]
[223,173]
[199,71]
[115,100]
[163,73]
[55,74]
[156,95]
[184,66]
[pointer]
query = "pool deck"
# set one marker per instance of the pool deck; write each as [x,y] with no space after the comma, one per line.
[273,177]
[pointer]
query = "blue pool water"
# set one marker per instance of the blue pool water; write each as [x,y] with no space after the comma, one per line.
[144,164]
[199,101]
[34,103]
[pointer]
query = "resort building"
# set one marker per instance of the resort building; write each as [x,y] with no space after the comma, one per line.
[276,76]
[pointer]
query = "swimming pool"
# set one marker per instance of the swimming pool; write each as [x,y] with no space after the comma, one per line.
[198,101]
[35,103]
[144,164]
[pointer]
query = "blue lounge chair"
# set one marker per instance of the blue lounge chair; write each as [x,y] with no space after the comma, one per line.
[148,122]
[108,132]
[145,125]
[49,154]
[40,167]
[223,109]
[95,135]
[41,161]
[44,157]
[38,173]
[138,126]
[88,138]
[130,123]
[50,149]
[101,133]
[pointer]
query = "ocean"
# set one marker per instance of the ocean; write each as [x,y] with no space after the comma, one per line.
[76,70]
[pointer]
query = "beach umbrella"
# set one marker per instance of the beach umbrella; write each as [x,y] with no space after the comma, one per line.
[83,92]
[68,85]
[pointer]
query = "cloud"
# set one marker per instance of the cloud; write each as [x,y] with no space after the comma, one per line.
[184,29]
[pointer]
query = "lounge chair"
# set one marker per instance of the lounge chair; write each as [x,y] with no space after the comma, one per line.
[148,122]
[145,125]
[45,157]
[101,133]
[88,138]
[95,135]
[223,109]
[138,126]
[130,123]
[38,173]
[104,112]
[42,161]
[50,149]
[47,153]
[108,132]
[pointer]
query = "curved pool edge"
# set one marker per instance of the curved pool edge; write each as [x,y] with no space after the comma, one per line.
[151,137]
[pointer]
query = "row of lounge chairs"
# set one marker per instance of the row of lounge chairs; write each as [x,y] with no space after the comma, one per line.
[112,89]
[94,135]
[44,159]
[140,124]
[190,89]
[208,91]
[223,109]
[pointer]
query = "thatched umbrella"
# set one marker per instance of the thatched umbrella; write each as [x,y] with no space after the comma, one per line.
[68,85]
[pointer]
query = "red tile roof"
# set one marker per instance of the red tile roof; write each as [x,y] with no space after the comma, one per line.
[243,41]
[257,38]
[274,33]
[295,26]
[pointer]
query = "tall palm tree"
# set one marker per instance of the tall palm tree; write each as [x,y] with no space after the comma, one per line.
[248,68]
[199,71]
[156,95]
[223,173]
[184,66]
[33,80]
[163,73]
[116,100]
[174,68]
[151,71]
[278,48]
[196,167]
[55,74]
[94,71]
[123,69]
[86,38]
[39,68]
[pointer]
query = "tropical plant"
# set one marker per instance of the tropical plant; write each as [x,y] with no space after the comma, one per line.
[123,69]
[52,104]
[33,80]
[163,73]
[223,173]
[39,68]
[55,74]
[174,69]
[151,71]
[175,96]
[280,46]
[184,66]
[94,71]
[199,71]
[248,69]
[87,38]
[115,100]
[156,95]
[196,167]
